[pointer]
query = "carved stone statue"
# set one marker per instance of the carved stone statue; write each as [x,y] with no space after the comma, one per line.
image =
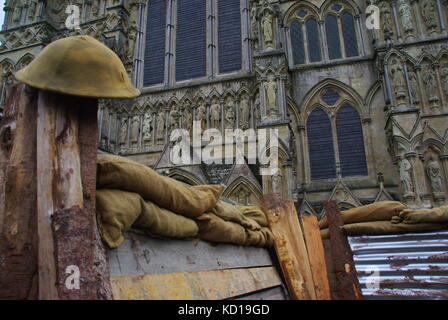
[430,82]
[135,128]
[244,113]
[277,183]
[147,120]
[405,177]
[201,115]
[398,81]
[267,29]
[229,121]
[406,17]
[124,131]
[32,10]
[215,116]
[257,110]
[434,173]
[387,21]
[413,81]
[271,94]
[174,118]
[429,14]
[243,196]
[187,119]
[161,127]
[444,76]
[253,19]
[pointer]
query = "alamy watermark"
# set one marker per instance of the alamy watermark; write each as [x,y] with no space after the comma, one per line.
[73,19]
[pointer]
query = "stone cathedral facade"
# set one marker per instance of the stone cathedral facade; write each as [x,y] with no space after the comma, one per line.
[362,114]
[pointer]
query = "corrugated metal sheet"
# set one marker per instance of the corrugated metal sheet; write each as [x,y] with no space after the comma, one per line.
[410,266]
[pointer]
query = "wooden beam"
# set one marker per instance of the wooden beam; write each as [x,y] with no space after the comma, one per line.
[18,229]
[290,247]
[342,256]
[316,255]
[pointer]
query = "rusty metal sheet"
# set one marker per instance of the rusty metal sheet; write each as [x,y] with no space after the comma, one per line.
[410,266]
[140,255]
[204,285]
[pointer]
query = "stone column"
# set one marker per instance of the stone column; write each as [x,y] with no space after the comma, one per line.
[419,177]
[420,28]
[323,36]
[360,34]
[397,24]
[441,20]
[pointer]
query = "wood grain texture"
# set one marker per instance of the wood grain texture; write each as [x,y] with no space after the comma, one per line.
[316,255]
[290,247]
[203,285]
[18,229]
[342,256]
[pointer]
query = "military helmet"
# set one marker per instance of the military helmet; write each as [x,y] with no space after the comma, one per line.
[80,66]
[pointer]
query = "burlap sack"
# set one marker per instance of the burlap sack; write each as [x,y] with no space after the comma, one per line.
[118,211]
[436,215]
[254,213]
[119,173]
[214,229]
[386,227]
[261,238]
[379,211]
[230,212]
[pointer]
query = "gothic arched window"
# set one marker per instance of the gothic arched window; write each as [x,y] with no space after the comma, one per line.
[314,44]
[191,54]
[320,145]
[349,33]
[350,142]
[154,68]
[335,123]
[229,35]
[333,42]
[298,48]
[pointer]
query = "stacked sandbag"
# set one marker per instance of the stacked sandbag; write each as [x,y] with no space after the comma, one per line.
[389,217]
[119,173]
[131,195]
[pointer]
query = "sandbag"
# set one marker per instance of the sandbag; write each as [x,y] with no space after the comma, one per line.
[214,229]
[435,215]
[261,238]
[386,227]
[230,212]
[118,211]
[379,211]
[119,173]
[255,213]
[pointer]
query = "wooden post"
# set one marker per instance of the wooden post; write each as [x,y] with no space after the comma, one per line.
[316,255]
[18,229]
[342,256]
[68,240]
[290,247]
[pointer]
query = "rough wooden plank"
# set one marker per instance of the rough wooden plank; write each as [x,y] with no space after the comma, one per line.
[277,293]
[139,255]
[18,230]
[290,247]
[204,285]
[343,264]
[316,255]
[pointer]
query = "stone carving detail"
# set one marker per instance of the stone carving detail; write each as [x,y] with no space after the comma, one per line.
[406,177]
[429,14]
[277,183]
[243,196]
[147,133]
[398,82]
[174,119]
[161,128]
[415,88]
[257,110]
[271,95]
[268,30]
[215,116]
[124,131]
[244,113]
[387,20]
[431,86]
[406,17]
[135,129]
[201,115]
[444,77]
[187,120]
[434,173]
[229,120]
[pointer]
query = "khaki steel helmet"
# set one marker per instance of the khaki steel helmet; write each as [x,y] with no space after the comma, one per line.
[80,66]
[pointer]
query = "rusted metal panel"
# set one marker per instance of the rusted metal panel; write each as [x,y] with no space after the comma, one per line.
[410,266]
[204,285]
[140,255]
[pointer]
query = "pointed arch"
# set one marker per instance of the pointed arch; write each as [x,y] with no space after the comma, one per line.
[185,177]
[245,183]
